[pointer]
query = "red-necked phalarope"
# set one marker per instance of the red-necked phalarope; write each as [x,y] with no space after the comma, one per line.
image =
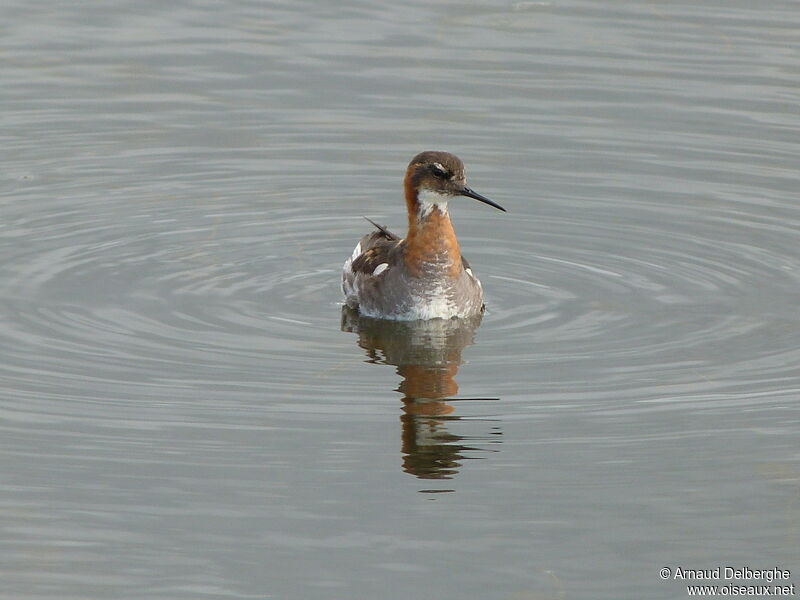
[422,276]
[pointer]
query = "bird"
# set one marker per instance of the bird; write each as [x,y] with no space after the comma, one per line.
[423,275]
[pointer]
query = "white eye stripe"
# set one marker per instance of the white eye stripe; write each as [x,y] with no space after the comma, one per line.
[441,172]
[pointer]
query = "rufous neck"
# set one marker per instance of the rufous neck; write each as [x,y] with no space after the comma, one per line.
[431,243]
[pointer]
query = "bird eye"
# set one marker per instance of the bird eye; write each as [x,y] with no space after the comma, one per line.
[439,172]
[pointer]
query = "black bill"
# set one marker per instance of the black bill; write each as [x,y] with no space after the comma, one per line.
[470,193]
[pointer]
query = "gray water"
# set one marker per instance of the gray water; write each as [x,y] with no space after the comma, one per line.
[185,410]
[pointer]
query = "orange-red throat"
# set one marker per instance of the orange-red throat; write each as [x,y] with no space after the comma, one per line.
[431,243]
[432,179]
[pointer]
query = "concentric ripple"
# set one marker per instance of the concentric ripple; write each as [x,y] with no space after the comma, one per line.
[650,249]
[131,304]
[110,307]
[182,414]
[645,307]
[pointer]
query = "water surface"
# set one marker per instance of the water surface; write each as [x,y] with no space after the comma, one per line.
[185,410]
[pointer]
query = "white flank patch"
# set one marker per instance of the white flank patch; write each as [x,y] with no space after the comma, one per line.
[475,279]
[380,269]
[349,284]
[429,199]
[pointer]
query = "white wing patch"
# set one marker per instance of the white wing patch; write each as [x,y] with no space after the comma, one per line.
[380,269]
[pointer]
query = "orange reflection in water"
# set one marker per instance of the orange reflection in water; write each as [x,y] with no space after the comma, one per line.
[427,355]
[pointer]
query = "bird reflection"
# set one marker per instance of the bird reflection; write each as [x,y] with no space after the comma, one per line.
[427,355]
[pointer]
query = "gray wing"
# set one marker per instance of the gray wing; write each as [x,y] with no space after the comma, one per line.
[372,251]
